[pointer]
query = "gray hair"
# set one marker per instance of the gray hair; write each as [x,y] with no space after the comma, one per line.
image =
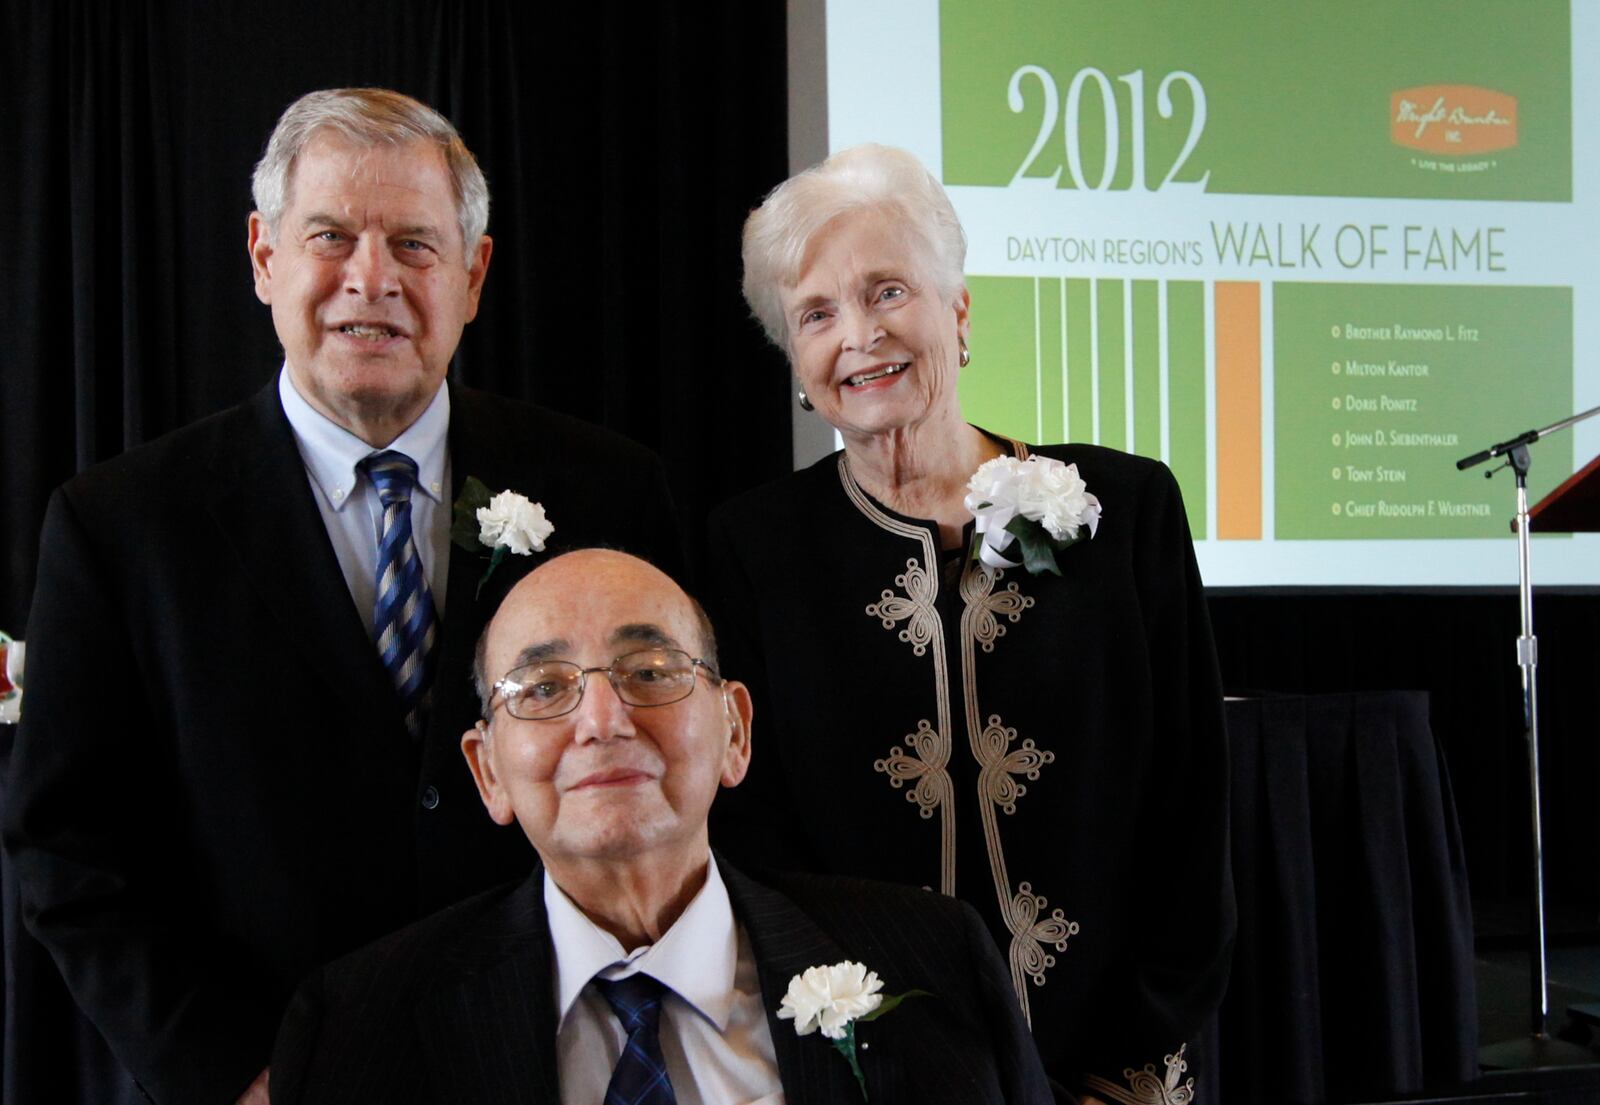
[863,177]
[369,117]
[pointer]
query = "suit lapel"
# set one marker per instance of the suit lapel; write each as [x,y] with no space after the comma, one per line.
[491,1037]
[261,504]
[476,449]
[458,629]
[488,1033]
[785,942]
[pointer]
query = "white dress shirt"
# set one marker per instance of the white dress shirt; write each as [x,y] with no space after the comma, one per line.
[349,503]
[714,1035]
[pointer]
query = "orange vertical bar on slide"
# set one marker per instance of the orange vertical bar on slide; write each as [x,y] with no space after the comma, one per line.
[1238,335]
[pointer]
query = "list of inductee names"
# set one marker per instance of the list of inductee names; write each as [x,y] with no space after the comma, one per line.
[1379,389]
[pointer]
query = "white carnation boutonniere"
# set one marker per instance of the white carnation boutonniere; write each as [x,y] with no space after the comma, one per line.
[833,1000]
[1039,504]
[507,522]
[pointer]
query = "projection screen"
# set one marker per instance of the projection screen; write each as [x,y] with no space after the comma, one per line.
[1307,255]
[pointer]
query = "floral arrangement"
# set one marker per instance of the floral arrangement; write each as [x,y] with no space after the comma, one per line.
[833,1000]
[507,522]
[1039,504]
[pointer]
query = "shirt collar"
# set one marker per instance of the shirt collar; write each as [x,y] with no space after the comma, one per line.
[331,452]
[696,958]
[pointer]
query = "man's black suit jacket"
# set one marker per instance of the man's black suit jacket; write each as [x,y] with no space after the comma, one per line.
[460,1007]
[213,789]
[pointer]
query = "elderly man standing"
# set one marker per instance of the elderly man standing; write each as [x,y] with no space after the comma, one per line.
[635,967]
[250,639]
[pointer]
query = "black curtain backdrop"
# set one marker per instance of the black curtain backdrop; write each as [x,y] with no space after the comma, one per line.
[623,146]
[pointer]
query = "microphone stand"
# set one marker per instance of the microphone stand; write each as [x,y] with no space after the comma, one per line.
[1538,1049]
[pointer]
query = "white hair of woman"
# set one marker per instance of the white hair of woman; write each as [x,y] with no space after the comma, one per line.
[369,117]
[869,176]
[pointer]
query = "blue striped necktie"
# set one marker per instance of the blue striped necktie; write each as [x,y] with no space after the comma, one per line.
[403,619]
[640,1077]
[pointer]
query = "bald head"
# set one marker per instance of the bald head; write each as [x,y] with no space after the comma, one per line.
[581,572]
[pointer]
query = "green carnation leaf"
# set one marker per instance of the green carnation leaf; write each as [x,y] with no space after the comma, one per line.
[1038,548]
[464,515]
[888,1004]
[975,550]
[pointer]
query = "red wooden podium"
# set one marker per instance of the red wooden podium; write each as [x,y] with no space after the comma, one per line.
[1574,507]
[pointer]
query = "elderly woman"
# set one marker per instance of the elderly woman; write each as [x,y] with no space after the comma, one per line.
[1048,747]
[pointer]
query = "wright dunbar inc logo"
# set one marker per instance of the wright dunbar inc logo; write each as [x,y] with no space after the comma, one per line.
[1453,119]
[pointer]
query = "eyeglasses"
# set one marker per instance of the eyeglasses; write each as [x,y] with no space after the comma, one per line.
[649,677]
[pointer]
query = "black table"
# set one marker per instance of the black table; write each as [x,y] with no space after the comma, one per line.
[1353,973]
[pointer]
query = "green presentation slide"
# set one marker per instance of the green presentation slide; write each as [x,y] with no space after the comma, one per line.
[1309,256]
[1262,97]
[1381,388]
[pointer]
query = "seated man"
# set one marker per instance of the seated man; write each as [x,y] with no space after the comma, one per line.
[632,957]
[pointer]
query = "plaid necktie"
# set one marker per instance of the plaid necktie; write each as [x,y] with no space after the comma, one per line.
[403,618]
[640,1077]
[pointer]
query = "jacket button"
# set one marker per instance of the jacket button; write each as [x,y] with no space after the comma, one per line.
[430,797]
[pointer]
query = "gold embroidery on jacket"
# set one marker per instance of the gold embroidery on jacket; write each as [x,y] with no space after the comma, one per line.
[934,789]
[1028,956]
[1032,929]
[998,788]
[997,781]
[1145,1087]
[917,606]
[1010,603]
